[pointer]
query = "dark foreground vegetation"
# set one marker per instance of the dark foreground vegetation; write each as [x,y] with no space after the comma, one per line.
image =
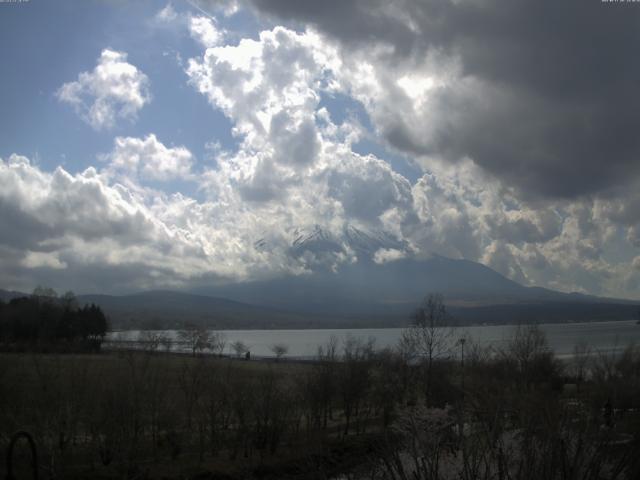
[422,410]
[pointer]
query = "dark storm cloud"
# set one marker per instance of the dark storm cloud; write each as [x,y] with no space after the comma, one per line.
[555,109]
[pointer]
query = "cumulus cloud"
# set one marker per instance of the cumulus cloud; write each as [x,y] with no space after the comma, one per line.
[54,205]
[268,88]
[205,31]
[294,162]
[367,187]
[265,84]
[114,90]
[100,231]
[149,158]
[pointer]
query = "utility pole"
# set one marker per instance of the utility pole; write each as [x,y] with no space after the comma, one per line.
[462,342]
[461,410]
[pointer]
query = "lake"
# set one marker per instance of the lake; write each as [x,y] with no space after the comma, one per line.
[603,336]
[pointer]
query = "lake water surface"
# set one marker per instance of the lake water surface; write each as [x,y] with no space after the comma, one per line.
[603,336]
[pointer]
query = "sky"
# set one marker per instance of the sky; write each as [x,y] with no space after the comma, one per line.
[159,144]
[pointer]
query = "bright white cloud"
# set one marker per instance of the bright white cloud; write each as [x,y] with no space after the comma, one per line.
[34,260]
[149,159]
[268,88]
[114,90]
[204,30]
[384,255]
[102,231]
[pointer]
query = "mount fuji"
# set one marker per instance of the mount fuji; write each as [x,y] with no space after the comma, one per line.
[385,281]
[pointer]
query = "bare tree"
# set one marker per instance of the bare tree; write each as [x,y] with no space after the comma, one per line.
[354,379]
[430,335]
[149,341]
[239,348]
[69,300]
[217,342]
[279,350]
[323,381]
[196,338]
[166,341]
[191,379]
[44,294]
[530,354]
[580,362]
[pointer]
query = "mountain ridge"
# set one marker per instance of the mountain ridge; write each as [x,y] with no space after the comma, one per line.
[362,294]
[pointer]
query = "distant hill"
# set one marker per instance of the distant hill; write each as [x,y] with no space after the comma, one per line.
[362,294]
[6,295]
[172,309]
[165,309]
